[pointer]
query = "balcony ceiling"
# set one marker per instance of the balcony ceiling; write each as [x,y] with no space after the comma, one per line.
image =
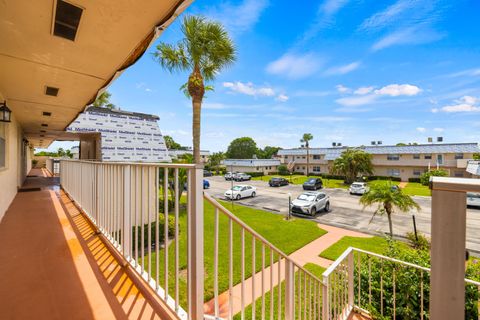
[111,34]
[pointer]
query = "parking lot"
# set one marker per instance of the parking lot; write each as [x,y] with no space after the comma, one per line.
[345,211]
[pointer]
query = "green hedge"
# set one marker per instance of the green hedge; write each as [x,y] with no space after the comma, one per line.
[255,174]
[161,234]
[414,180]
[370,178]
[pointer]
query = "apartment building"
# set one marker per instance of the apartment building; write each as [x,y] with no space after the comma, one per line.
[404,162]
[176,153]
[265,166]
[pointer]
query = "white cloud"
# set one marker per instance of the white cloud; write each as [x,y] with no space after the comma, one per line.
[410,35]
[282,97]
[143,86]
[240,17]
[249,89]
[214,106]
[438,129]
[389,15]
[464,104]
[435,110]
[364,90]
[295,66]
[469,73]
[421,129]
[343,69]
[395,90]
[342,89]
[365,95]
[356,100]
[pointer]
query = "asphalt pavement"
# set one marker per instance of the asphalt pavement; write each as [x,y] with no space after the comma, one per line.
[346,211]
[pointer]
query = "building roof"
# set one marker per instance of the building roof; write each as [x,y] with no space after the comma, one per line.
[251,162]
[122,112]
[333,153]
[178,152]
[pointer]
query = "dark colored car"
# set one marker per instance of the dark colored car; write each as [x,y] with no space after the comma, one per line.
[207,173]
[278,182]
[313,184]
[206,184]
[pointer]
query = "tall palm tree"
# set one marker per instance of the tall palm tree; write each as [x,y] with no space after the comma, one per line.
[305,139]
[352,163]
[388,197]
[103,101]
[204,51]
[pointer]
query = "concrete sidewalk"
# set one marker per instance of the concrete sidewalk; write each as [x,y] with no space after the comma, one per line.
[306,254]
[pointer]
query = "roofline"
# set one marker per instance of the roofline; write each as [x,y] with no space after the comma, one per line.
[384,146]
[122,112]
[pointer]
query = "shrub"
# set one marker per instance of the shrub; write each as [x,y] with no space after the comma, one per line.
[255,174]
[422,243]
[371,178]
[283,170]
[414,180]
[161,234]
[34,162]
[425,178]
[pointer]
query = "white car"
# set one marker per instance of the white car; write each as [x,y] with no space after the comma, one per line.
[358,188]
[241,191]
[473,199]
[310,203]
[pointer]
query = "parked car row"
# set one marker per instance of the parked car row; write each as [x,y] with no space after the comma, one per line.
[237,176]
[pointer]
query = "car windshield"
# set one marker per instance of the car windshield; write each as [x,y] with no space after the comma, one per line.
[473,195]
[311,180]
[237,188]
[306,197]
[276,179]
[357,185]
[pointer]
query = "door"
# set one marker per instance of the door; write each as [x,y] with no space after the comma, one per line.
[439,158]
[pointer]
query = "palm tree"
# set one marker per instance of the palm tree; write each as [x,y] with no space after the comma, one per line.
[204,51]
[352,163]
[305,139]
[388,197]
[103,101]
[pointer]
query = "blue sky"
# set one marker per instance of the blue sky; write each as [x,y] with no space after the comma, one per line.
[345,71]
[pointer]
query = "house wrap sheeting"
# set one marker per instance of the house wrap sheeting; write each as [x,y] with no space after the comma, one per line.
[125,136]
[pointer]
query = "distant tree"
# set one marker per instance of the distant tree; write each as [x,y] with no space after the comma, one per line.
[205,50]
[171,144]
[388,198]
[242,148]
[401,144]
[476,156]
[283,170]
[305,139]
[215,160]
[61,152]
[103,101]
[268,152]
[352,163]
[425,178]
[68,154]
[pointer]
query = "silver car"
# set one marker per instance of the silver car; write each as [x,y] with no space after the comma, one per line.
[473,199]
[310,203]
[358,188]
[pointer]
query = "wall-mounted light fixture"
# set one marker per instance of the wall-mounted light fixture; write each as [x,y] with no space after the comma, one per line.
[5,113]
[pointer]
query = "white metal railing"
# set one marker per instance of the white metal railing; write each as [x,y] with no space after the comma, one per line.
[127,202]
[298,292]
[368,282]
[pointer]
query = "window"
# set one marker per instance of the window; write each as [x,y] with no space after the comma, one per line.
[393,172]
[316,157]
[428,156]
[393,157]
[67,19]
[458,156]
[416,156]
[316,169]
[303,157]
[286,157]
[458,174]
[417,172]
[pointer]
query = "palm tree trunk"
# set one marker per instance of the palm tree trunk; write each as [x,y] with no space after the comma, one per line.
[197,107]
[390,225]
[308,158]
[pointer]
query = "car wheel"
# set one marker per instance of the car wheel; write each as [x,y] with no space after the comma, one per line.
[238,197]
[327,207]
[313,211]
[253,194]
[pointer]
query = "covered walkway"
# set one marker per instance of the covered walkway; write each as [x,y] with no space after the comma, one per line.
[54,266]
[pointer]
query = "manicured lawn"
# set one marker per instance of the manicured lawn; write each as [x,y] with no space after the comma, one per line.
[416,189]
[288,236]
[374,244]
[300,179]
[313,268]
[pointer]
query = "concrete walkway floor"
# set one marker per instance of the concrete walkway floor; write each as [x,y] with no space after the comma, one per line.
[54,266]
[306,254]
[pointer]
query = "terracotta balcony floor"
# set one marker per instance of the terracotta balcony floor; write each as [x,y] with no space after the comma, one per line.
[54,266]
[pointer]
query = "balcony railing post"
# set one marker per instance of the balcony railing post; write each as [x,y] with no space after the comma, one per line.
[195,244]
[127,223]
[351,268]
[289,290]
[325,298]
